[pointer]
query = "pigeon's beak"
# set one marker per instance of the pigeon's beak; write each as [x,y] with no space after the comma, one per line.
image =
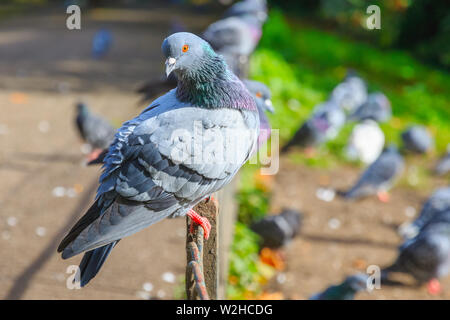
[269,106]
[170,65]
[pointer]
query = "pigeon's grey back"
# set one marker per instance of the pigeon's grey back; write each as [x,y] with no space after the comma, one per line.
[417,139]
[379,176]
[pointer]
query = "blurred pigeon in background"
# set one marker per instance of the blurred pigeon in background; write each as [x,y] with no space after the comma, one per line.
[245,7]
[235,37]
[351,93]
[417,139]
[377,107]
[278,230]
[426,257]
[344,291]
[379,177]
[443,166]
[93,129]
[261,93]
[142,183]
[101,43]
[366,142]
[437,204]
[324,124]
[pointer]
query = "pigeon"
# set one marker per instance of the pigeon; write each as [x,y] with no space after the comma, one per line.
[325,123]
[350,93]
[278,230]
[344,291]
[377,107]
[443,166]
[366,142]
[426,257]
[261,93]
[93,129]
[234,37]
[417,139]
[379,177]
[257,8]
[437,204]
[158,167]
[101,43]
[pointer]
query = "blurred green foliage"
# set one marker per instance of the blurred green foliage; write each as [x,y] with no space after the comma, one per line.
[421,26]
[301,64]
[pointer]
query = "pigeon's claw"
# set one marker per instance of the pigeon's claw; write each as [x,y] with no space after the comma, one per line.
[383,196]
[202,221]
[434,287]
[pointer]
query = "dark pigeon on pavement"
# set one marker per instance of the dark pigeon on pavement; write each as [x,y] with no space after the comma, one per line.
[426,257]
[379,177]
[277,231]
[345,290]
[93,129]
[151,171]
[417,139]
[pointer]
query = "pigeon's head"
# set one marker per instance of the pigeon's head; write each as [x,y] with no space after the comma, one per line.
[82,108]
[185,52]
[391,148]
[261,93]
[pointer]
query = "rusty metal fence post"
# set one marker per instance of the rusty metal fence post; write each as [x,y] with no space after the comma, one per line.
[202,256]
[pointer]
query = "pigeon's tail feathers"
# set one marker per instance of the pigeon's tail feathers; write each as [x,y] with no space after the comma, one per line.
[92,262]
[92,214]
[100,159]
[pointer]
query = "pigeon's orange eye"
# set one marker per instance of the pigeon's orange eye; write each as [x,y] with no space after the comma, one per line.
[185,48]
[259,94]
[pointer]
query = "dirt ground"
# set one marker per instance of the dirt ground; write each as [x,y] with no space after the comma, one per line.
[340,238]
[45,70]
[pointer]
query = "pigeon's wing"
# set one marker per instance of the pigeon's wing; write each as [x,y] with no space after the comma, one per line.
[157,168]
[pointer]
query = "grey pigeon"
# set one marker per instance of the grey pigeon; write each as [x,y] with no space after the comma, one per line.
[261,93]
[350,93]
[93,129]
[437,204]
[379,176]
[278,230]
[235,37]
[377,107]
[324,124]
[426,257]
[417,139]
[245,7]
[443,166]
[158,165]
[345,290]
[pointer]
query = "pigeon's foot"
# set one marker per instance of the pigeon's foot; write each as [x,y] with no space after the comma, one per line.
[202,221]
[383,196]
[310,152]
[93,155]
[272,258]
[434,287]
